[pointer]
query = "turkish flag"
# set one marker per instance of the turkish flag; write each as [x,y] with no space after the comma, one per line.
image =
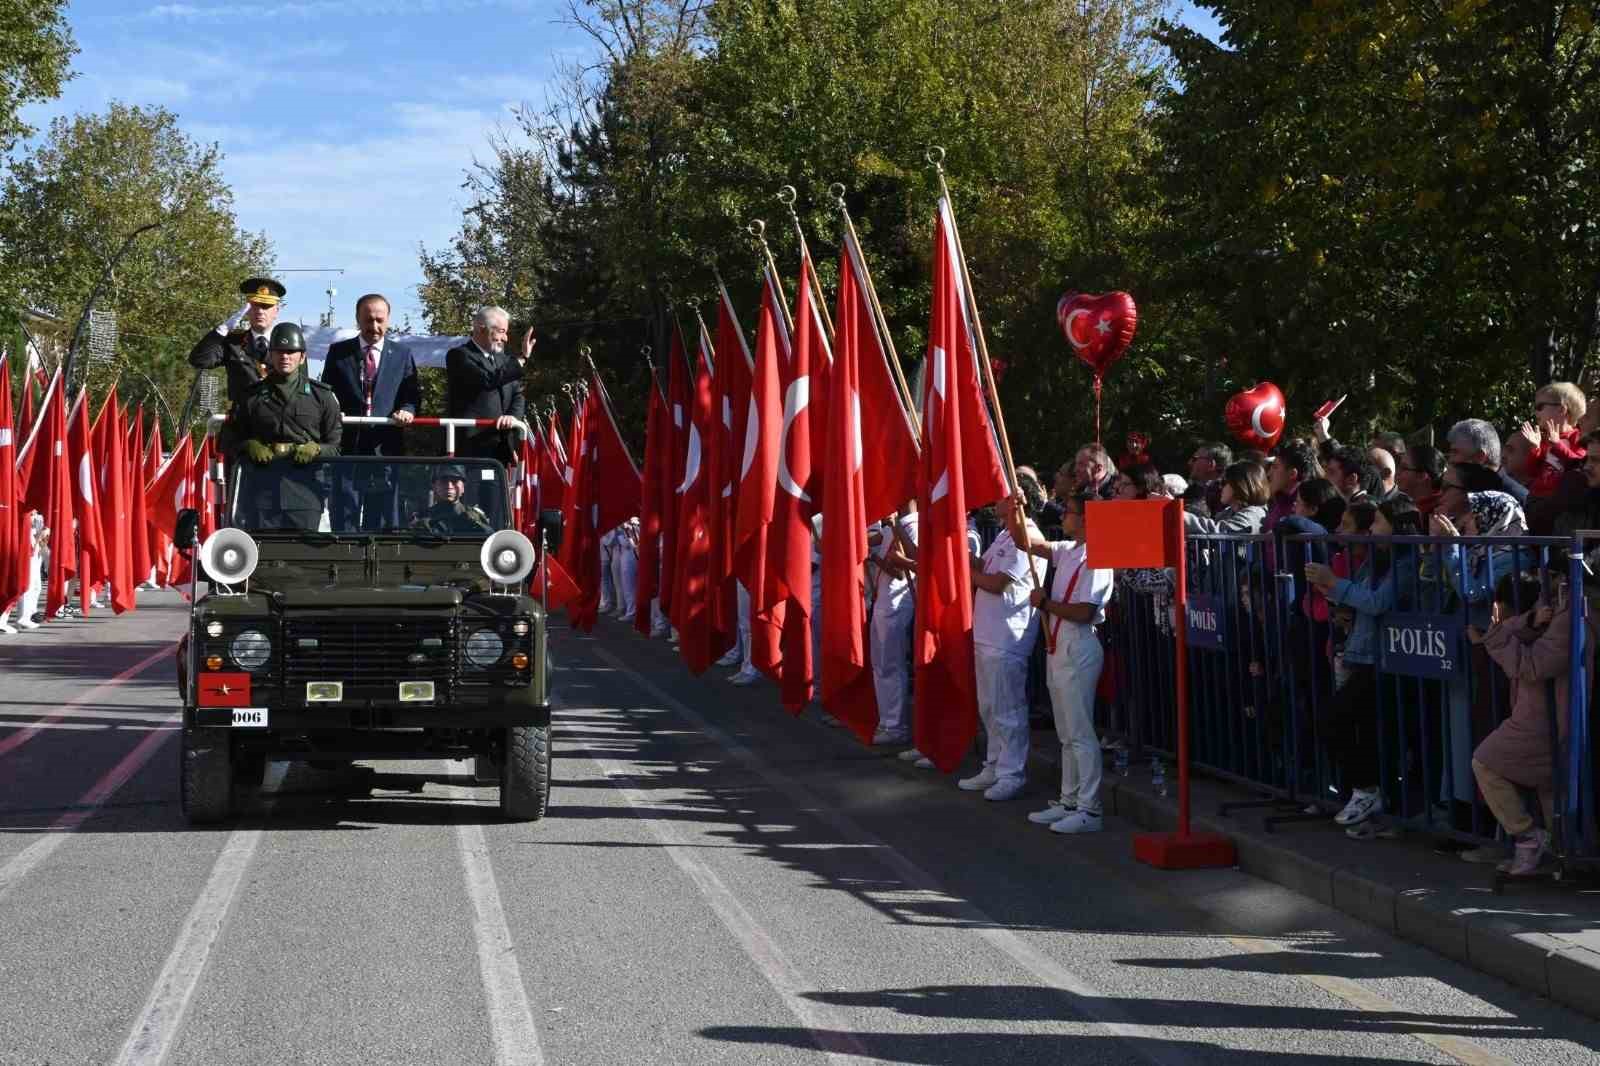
[692,595]
[758,480]
[556,477]
[160,535]
[525,492]
[616,475]
[847,690]
[14,546]
[580,542]
[85,501]
[109,445]
[677,455]
[223,690]
[140,556]
[887,433]
[563,590]
[47,487]
[648,581]
[731,380]
[960,470]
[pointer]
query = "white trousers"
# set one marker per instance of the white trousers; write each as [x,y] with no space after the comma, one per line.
[744,628]
[624,578]
[890,633]
[608,584]
[28,606]
[1072,672]
[1003,708]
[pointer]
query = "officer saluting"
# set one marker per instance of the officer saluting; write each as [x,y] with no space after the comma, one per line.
[280,425]
[450,513]
[240,344]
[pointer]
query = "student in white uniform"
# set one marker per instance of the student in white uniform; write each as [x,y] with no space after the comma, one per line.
[747,674]
[1004,625]
[889,629]
[28,605]
[1070,610]
[625,566]
[608,581]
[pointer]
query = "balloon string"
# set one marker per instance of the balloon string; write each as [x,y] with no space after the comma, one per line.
[1097,380]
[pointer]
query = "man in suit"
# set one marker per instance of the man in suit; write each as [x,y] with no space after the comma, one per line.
[239,345]
[484,380]
[371,375]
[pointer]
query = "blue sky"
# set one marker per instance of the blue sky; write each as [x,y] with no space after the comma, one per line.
[345,124]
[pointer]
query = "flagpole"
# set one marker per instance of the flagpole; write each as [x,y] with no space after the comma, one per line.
[787,196]
[879,318]
[758,230]
[722,293]
[706,347]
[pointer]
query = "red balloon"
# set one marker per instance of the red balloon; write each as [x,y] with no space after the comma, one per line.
[1256,416]
[1099,328]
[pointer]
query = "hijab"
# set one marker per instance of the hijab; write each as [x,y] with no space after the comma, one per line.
[1498,514]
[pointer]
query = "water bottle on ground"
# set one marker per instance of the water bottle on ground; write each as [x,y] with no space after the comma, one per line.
[1158,775]
[1122,762]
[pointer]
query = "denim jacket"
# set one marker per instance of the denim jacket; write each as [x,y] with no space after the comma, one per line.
[1396,589]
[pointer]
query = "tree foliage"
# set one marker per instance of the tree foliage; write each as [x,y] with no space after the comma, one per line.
[67,208]
[35,47]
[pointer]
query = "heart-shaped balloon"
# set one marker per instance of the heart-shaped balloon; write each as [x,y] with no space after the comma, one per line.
[1099,328]
[1256,415]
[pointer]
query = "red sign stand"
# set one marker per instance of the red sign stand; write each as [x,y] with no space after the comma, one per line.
[1149,533]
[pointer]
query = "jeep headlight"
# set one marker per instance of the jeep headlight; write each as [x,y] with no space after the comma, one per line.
[251,649]
[484,648]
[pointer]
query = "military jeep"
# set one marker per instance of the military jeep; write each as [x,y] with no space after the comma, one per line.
[375,632]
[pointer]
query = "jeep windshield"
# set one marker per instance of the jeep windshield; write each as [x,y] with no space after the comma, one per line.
[367,495]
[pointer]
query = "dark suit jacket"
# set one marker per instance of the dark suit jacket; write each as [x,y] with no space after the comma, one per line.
[483,386]
[395,390]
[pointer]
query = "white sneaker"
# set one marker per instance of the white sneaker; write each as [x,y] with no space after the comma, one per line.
[742,678]
[1051,814]
[5,627]
[27,623]
[924,763]
[1001,791]
[733,658]
[1362,805]
[1079,822]
[890,736]
[909,755]
[978,781]
[658,631]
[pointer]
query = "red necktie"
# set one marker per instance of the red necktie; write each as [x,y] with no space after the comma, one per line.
[371,375]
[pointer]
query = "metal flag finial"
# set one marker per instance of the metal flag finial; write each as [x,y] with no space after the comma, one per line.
[935,157]
[837,191]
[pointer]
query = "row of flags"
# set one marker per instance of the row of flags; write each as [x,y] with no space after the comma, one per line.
[746,447]
[102,489]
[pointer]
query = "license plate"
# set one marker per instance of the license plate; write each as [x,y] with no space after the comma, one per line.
[250,718]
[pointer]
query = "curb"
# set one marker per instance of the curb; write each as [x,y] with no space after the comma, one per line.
[1496,945]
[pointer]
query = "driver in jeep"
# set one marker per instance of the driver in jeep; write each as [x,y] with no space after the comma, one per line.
[450,513]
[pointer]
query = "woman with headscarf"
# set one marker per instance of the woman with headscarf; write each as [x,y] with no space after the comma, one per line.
[1470,575]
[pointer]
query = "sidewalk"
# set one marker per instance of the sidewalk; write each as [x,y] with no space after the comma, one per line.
[1541,937]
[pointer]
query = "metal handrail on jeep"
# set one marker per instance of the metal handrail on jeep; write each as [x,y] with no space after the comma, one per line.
[449,425]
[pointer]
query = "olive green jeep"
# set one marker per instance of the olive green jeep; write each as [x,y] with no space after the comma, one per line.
[390,619]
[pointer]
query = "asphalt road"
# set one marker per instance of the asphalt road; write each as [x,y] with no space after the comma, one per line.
[716,883]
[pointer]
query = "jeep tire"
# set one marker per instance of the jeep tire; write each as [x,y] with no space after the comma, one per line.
[205,767]
[525,774]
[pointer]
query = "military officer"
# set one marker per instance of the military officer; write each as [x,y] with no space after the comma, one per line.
[240,344]
[450,513]
[282,424]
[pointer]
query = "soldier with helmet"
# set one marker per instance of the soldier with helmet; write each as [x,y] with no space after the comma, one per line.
[240,345]
[451,513]
[283,423]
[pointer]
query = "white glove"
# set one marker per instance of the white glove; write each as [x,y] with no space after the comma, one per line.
[233,323]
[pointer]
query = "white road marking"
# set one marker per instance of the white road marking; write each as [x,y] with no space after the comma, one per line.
[827,1028]
[1145,1041]
[31,856]
[516,1038]
[161,1020]
[21,737]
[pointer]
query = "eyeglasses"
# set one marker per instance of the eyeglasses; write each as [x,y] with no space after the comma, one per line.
[1547,403]
[1451,485]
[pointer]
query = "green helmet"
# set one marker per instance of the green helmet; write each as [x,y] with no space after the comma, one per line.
[287,337]
[450,472]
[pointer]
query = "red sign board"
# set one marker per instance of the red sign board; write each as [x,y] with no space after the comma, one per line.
[224,690]
[1132,534]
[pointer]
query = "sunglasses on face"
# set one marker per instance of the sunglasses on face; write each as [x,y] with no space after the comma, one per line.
[1547,403]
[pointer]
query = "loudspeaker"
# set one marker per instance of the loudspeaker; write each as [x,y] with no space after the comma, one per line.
[507,557]
[229,556]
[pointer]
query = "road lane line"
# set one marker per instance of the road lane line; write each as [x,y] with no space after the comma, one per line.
[21,737]
[161,1020]
[1149,1042]
[828,1029]
[516,1038]
[21,864]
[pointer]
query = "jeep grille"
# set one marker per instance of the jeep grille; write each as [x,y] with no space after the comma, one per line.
[370,655]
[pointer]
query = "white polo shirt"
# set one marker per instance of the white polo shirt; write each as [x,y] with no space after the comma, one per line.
[1006,621]
[891,585]
[1091,586]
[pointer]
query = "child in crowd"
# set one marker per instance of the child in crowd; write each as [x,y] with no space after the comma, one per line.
[1552,439]
[1533,648]
[1382,578]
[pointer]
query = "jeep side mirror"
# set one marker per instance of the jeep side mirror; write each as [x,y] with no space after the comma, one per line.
[185,529]
[550,526]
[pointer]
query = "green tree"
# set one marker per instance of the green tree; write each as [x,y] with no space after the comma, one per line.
[67,209]
[35,47]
